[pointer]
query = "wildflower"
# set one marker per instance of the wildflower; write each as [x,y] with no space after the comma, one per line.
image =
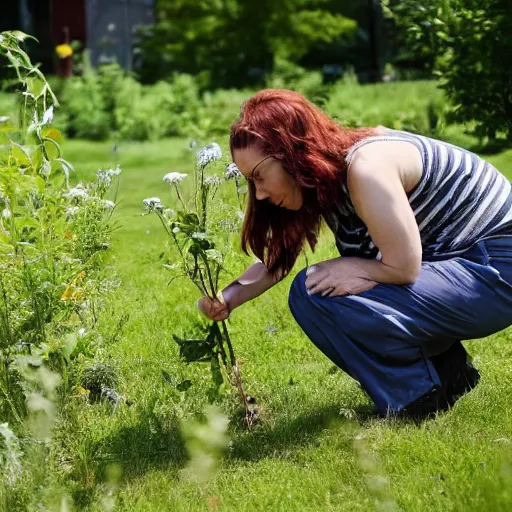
[64,50]
[106,176]
[174,177]
[6,213]
[48,116]
[208,154]
[109,205]
[153,203]
[72,292]
[4,119]
[72,210]
[212,180]
[232,171]
[79,191]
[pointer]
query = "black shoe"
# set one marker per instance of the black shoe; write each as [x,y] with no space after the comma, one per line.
[458,376]
[464,382]
[426,406]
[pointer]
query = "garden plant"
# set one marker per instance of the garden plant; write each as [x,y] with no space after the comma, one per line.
[199,227]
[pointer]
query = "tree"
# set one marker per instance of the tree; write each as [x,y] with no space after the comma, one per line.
[234,42]
[470,43]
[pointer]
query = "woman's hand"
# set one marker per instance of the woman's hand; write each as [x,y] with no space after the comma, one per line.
[340,276]
[213,308]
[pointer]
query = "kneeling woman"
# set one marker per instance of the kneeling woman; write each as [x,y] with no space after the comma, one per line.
[424,230]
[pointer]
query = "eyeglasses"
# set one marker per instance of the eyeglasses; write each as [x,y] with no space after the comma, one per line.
[251,177]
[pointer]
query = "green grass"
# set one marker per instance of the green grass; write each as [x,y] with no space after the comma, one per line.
[317,447]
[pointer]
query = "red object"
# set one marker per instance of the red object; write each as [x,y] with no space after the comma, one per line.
[70,14]
[68,24]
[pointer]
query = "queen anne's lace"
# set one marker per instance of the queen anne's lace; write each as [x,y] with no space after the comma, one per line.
[208,154]
[174,177]
[232,171]
[153,203]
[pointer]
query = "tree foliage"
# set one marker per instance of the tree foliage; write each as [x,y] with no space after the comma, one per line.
[468,43]
[233,42]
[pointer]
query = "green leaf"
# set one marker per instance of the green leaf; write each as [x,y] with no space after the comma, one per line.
[214,255]
[69,343]
[21,154]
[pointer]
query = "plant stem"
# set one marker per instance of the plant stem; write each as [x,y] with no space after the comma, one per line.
[179,197]
[222,351]
[235,372]
[228,341]
[205,291]
[209,274]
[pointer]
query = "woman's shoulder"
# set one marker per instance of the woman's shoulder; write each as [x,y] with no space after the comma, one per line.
[388,155]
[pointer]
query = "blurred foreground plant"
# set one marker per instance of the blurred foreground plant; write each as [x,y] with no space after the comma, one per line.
[201,241]
[52,236]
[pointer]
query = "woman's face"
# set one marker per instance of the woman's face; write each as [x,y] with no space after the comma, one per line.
[270,179]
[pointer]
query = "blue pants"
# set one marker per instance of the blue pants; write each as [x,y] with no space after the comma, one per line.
[384,337]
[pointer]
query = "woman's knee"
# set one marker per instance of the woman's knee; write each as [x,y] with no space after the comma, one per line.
[303,306]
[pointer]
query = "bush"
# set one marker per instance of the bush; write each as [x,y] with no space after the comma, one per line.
[107,103]
[287,75]
[469,43]
[51,237]
[475,66]
[412,106]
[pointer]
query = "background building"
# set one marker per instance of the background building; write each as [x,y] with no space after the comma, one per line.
[106,27]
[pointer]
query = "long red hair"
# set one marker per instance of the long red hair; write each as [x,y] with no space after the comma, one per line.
[312,148]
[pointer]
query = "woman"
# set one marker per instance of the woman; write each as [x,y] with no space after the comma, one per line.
[424,230]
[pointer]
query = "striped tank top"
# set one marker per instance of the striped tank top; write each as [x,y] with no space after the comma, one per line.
[460,200]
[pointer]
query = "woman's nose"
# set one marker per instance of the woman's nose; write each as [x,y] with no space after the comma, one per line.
[261,194]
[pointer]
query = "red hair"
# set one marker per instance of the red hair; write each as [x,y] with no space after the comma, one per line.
[312,148]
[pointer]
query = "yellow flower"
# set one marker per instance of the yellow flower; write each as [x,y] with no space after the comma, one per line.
[64,50]
[73,292]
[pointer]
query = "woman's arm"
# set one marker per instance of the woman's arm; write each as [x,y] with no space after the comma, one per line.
[377,182]
[253,282]
[378,177]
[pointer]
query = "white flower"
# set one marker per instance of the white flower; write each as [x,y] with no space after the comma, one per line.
[72,210]
[4,119]
[109,205]
[232,171]
[106,176]
[174,177]
[209,154]
[48,116]
[212,180]
[153,203]
[6,213]
[77,192]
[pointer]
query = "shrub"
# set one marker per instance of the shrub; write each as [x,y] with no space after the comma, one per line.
[469,42]
[413,106]
[50,238]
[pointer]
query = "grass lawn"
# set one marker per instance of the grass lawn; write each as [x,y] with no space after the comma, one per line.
[317,447]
